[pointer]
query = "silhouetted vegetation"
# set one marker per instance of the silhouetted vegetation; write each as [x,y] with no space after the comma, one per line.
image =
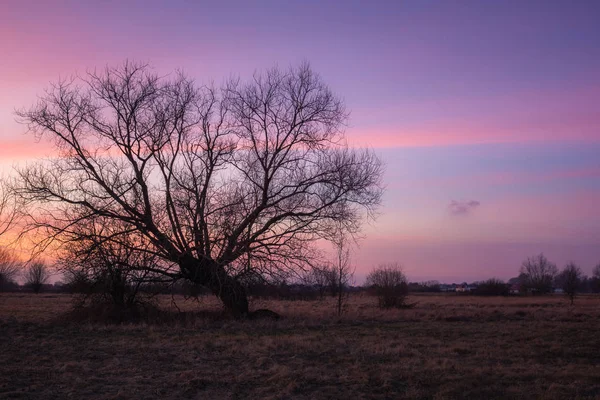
[9,269]
[342,268]
[109,272]
[389,284]
[570,279]
[594,280]
[425,287]
[220,182]
[9,265]
[492,287]
[8,208]
[323,278]
[537,274]
[36,276]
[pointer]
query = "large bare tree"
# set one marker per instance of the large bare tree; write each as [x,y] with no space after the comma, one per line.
[223,182]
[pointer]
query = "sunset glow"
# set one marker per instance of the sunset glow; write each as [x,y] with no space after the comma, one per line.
[493,103]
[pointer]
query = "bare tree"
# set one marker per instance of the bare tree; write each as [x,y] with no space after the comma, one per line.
[36,276]
[9,268]
[221,182]
[390,285]
[9,264]
[8,211]
[321,277]
[342,269]
[569,280]
[538,274]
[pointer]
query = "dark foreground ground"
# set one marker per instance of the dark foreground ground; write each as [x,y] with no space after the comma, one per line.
[447,347]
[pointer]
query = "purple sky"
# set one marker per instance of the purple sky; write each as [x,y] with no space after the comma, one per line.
[486,113]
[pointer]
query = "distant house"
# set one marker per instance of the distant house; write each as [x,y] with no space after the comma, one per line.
[464,288]
[558,291]
[515,288]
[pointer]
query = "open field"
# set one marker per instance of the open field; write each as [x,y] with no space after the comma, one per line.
[447,347]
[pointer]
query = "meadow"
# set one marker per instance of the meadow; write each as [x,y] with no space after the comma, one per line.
[446,347]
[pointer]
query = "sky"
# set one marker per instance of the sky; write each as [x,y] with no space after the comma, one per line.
[486,114]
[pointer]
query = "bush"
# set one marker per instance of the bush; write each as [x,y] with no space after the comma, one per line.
[492,287]
[98,308]
[389,284]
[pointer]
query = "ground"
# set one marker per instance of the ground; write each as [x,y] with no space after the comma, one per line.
[447,347]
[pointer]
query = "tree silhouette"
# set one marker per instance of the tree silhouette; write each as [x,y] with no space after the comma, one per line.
[569,280]
[538,274]
[390,285]
[36,275]
[595,279]
[343,271]
[222,182]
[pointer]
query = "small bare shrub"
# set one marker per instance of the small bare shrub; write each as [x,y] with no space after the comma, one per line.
[36,276]
[96,308]
[389,284]
[569,280]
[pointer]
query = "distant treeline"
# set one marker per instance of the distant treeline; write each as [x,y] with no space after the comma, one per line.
[299,291]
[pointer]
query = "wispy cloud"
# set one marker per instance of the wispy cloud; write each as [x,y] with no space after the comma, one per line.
[462,207]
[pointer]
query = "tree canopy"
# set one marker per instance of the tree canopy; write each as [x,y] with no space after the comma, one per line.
[223,182]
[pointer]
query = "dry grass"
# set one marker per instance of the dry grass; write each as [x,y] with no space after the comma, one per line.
[447,347]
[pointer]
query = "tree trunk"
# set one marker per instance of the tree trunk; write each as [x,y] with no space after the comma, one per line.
[213,276]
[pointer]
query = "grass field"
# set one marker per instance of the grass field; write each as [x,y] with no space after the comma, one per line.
[447,347]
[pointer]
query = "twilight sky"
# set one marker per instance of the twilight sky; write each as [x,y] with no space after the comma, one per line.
[487,114]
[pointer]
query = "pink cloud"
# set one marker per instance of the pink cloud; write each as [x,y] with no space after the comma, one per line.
[522,117]
[25,148]
[517,177]
[449,134]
